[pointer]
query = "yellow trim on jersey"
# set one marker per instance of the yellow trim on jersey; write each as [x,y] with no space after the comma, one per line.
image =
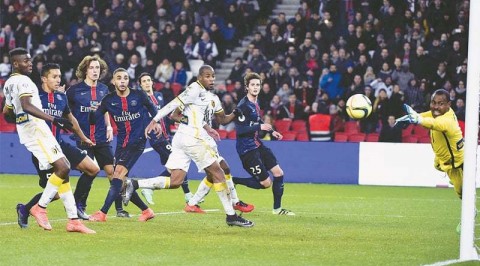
[24,94]
[9,106]
[219,111]
[44,151]
[198,82]
[181,102]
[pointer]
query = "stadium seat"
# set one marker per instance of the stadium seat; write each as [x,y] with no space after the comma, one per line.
[299,126]
[409,139]
[282,125]
[303,136]
[320,127]
[5,126]
[408,130]
[176,88]
[461,124]
[340,137]
[420,131]
[230,87]
[195,65]
[352,127]
[158,86]
[372,137]
[289,135]
[232,134]
[425,139]
[359,137]
[223,133]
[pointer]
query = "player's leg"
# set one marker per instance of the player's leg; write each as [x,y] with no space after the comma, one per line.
[237,203]
[270,161]
[203,189]
[84,183]
[252,163]
[456,178]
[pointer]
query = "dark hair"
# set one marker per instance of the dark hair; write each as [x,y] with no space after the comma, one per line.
[144,74]
[442,92]
[17,51]
[203,68]
[47,67]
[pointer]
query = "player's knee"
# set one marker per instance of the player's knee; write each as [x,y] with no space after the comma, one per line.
[92,170]
[62,171]
[277,171]
[266,183]
[176,180]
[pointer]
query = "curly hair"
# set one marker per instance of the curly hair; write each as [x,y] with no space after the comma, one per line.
[250,76]
[81,71]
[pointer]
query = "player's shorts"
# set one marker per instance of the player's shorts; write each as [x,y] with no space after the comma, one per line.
[456,178]
[43,175]
[74,155]
[186,148]
[258,162]
[102,152]
[46,149]
[163,147]
[213,145]
[128,156]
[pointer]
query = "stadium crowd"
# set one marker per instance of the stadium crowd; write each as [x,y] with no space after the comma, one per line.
[394,52]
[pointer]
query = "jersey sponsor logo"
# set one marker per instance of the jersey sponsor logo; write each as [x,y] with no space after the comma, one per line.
[460,144]
[85,109]
[126,116]
[53,112]
[21,118]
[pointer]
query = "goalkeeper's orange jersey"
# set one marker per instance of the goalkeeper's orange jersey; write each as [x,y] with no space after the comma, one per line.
[446,137]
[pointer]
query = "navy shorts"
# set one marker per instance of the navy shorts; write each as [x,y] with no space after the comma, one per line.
[128,156]
[163,147]
[102,152]
[258,162]
[73,154]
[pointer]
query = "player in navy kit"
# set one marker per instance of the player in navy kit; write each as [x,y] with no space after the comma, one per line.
[83,99]
[257,159]
[128,109]
[55,104]
[160,144]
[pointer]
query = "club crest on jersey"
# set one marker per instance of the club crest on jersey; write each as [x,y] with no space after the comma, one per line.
[133,103]
[59,97]
[213,104]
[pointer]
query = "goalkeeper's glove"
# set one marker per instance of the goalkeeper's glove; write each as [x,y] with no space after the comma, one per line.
[63,123]
[403,121]
[414,117]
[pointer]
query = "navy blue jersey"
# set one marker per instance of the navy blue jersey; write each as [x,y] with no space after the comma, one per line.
[56,105]
[80,98]
[248,126]
[157,100]
[129,114]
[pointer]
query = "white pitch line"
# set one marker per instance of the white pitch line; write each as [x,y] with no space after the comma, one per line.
[114,216]
[443,263]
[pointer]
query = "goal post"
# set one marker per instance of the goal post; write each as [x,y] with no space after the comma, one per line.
[468,250]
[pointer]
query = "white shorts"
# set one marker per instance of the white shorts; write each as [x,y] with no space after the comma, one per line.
[186,148]
[213,145]
[46,149]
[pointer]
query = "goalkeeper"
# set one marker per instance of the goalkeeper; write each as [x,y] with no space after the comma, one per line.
[445,134]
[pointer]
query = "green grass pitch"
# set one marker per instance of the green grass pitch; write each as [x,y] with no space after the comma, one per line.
[334,225]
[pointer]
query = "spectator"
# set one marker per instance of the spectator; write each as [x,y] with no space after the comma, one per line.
[284,92]
[369,75]
[396,102]
[274,107]
[175,53]
[337,122]
[164,71]
[275,43]
[460,109]
[402,76]
[5,67]
[330,83]
[293,109]
[206,50]
[228,106]
[390,132]
[7,39]
[179,74]
[134,68]
[236,74]
[461,90]
[265,96]
[378,85]
[414,96]
[321,103]
[305,94]
[258,62]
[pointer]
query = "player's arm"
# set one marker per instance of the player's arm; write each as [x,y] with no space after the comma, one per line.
[178,117]
[29,108]
[438,124]
[211,132]
[76,129]
[186,97]
[8,113]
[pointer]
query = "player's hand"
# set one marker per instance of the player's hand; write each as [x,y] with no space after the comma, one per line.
[237,112]
[61,88]
[403,121]
[414,117]
[153,127]
[63,123]
[88,142]
[214,134]
[109,133]
[266,127]
[277,135]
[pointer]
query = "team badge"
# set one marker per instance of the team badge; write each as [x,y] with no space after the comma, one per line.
[213,104]
[59,97]
[133,103]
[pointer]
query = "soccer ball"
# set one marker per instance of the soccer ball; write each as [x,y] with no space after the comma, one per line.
[359,106]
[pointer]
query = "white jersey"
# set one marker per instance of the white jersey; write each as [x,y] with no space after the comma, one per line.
[196,101]
[213,108]
[28,126]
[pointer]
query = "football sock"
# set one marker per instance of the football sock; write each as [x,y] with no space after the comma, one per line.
[202,190]
[224,196]
[66,195]
[185,187]
[277,189]
[135,199]
[113,193]
[82,190]
[231,187]
[250,182]
[33,201]
[158,182]
[118,201]
[50,190]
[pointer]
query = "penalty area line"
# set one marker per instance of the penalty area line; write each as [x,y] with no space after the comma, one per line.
[114,216]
